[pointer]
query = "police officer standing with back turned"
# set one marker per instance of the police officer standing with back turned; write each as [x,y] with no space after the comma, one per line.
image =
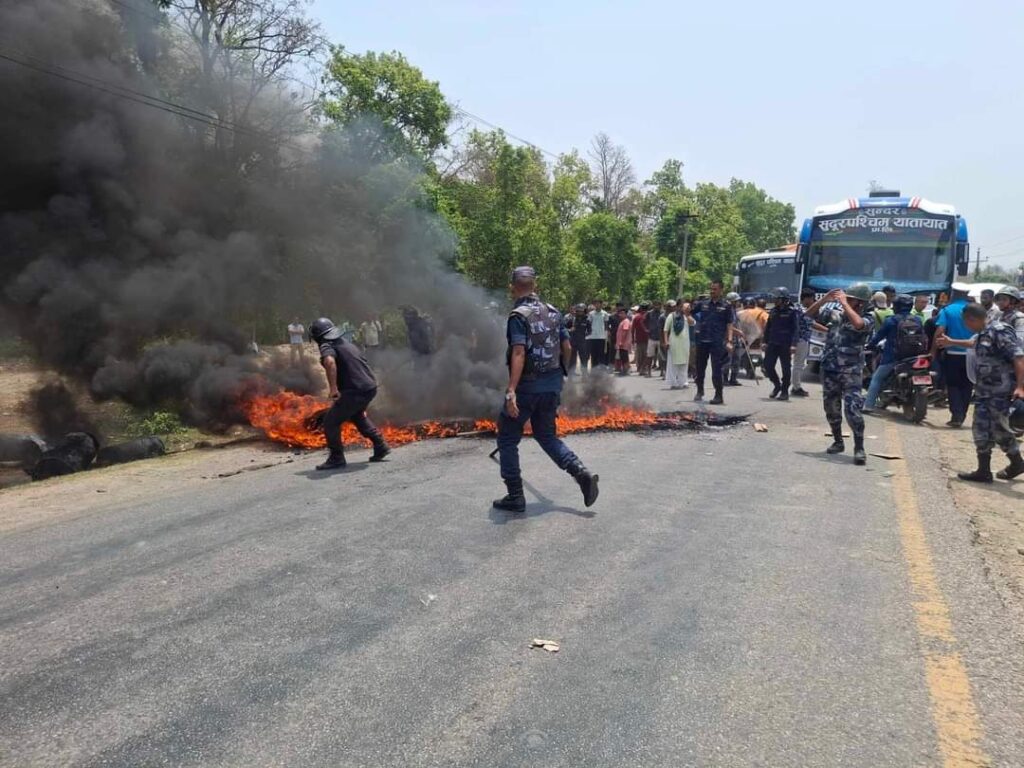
[352,387]
[781,334]
[538,345]
[842,364]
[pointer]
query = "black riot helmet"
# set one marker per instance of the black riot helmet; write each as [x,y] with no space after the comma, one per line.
[780,294]
[1017,415]
[323,329]
[902,304]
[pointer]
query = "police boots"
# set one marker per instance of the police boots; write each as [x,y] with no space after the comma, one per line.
[983,474]
[514,500]
[838,446]
[859,457]
[1016,468]
[335,460]
[587,483]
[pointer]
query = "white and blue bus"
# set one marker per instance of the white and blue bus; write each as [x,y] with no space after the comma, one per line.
[910,243]
[757,275]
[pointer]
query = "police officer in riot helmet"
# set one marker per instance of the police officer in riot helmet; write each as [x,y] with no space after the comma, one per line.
[842,364]
[998,386]
[352,386]
[781,334]
[538,346]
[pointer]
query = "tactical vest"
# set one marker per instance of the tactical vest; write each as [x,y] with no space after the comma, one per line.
[543,341]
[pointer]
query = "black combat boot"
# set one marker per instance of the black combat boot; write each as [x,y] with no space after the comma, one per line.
[983,474]
[699,397]
[717,399]
[859,457]
[380,452]
[838,446]
[587,483]
[798,392]
[335,460]
[784,394]
[775,392]
[1016,468]
[514,500]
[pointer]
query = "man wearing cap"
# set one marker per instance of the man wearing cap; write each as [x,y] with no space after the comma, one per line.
[716,322]
[537,346]
[950,322]
[352,386]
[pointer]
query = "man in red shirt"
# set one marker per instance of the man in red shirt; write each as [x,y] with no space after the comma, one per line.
[640,338]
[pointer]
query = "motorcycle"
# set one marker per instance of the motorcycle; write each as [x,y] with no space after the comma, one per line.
[910,386]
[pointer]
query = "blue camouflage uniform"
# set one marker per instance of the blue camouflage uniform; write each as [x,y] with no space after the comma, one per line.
[842,367]
[538,327]
[995,349]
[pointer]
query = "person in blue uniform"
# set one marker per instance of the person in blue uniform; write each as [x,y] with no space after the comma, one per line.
[538,347]
[781,334]
[716,323]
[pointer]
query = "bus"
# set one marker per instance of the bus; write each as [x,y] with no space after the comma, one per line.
[758,274]
[910,243]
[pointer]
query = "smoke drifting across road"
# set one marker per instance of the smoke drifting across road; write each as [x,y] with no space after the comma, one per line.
[133,248]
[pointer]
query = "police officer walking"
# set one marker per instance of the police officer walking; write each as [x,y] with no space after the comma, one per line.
[999,378]
[352,387]
[716,321]
[781,334]
[842,364]
[1007,299]
[538,345]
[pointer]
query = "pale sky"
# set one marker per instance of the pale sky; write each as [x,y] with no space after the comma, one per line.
[808,99]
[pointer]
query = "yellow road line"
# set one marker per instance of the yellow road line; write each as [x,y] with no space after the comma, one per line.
[953,711]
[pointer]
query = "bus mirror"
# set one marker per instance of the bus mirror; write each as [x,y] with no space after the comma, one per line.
[963,259]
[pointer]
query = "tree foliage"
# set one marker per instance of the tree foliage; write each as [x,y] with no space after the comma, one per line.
[398,110]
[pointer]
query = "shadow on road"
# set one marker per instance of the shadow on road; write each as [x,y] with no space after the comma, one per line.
[324,474]
[830,458]
[500,517]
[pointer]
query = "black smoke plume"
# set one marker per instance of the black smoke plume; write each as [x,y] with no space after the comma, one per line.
[135,251]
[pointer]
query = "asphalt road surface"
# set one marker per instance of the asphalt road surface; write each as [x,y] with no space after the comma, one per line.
[733,599]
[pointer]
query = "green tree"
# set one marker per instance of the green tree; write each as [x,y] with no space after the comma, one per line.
[664,188]
[658,281]
[767,223]
[393,108]
[609,244]
[572,187]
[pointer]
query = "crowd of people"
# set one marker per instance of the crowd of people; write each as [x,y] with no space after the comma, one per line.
[866,334]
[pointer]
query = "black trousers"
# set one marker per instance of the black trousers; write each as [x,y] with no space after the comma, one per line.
[773,353]
[351,406]
[580,352]
[597,352]
[958,386]
[719,357]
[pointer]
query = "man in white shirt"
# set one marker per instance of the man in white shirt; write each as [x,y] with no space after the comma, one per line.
[597,339]
[370,333]
[296,338]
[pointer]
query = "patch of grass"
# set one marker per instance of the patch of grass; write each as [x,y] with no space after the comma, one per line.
[158,423]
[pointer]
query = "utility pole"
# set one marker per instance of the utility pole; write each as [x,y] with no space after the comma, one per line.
[978,262]
[686,247]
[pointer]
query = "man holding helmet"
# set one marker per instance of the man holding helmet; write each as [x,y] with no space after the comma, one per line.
[842,364]
[352,386]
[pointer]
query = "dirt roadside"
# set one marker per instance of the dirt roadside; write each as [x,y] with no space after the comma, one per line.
[996,512]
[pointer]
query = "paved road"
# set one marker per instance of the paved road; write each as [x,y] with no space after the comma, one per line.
[734,599]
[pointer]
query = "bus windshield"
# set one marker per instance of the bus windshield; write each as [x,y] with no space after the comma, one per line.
[911,249]
[762,275]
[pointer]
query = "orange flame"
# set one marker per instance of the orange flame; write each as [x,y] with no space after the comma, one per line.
[285,418]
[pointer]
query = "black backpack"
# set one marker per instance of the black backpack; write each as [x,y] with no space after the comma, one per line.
[911,340]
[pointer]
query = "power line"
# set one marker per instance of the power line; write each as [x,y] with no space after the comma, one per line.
[489,124]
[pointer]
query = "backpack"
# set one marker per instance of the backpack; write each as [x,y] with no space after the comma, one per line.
[911,340]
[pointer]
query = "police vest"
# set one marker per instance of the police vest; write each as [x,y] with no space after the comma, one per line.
[543,340]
